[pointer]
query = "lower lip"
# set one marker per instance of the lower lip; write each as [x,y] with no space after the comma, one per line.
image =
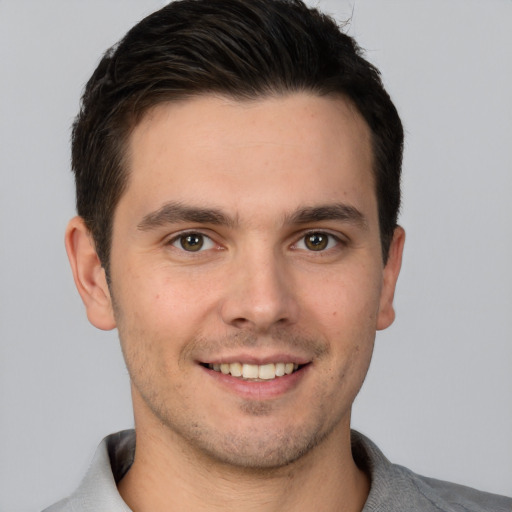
[259,390]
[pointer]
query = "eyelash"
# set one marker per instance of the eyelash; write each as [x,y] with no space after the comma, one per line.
[182,236]
[333,241]
[330,238]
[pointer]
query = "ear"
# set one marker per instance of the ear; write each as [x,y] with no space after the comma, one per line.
[89,275]
[386,314]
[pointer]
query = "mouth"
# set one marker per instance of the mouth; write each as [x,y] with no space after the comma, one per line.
[255,372]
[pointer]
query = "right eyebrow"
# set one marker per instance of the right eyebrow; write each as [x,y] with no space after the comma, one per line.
[174,212]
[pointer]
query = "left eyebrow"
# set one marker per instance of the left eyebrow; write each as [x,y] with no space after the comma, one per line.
[174,212]
[338,211]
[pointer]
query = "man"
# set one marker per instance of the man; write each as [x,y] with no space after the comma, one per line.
[237,167]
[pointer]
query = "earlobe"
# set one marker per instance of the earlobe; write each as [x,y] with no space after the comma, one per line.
[89,275]
[386,314]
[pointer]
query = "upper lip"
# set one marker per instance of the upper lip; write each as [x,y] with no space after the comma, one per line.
[247,358]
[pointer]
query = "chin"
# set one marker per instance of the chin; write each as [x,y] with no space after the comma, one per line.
[259,454]
[256,448]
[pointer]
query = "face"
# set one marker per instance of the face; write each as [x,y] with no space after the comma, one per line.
[247,277]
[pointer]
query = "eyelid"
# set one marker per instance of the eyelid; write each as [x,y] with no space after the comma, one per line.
[299,237]
[338,238]
[175,237]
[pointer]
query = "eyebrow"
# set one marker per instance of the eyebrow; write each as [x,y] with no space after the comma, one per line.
[173,212]
[338,211]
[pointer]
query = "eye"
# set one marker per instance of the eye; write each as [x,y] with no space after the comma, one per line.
[192,242]
[317,241]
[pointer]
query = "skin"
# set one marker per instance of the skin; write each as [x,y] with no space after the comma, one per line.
[256,292]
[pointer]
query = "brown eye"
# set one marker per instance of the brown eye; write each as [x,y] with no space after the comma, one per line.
[316,241]
[192,242]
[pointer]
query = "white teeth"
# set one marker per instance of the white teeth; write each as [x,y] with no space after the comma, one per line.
[253,371]
[267,371]
[235,369]
[250,371]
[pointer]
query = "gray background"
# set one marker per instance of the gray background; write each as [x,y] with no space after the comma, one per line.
[438,396]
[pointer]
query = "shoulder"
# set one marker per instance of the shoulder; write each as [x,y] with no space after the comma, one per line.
[451,497]
[61,506]
[395,488]
[98,489]
[463,498]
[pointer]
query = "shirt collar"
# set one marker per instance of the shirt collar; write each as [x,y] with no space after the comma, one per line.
[114,457]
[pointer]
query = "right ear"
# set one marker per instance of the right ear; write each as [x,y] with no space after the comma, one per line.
[89,275]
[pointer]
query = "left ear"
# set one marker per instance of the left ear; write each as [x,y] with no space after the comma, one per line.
[386,314]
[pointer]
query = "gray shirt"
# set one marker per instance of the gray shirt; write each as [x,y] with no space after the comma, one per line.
[393,488]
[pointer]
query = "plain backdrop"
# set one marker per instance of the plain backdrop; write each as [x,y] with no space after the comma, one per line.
[438,395]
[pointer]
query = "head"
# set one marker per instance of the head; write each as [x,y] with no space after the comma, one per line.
[238,168]
[243,49]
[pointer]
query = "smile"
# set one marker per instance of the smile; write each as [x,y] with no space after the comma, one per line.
[254,371]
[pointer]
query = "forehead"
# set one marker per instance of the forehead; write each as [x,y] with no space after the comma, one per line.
[271,153]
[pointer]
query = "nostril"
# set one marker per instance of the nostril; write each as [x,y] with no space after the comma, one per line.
[240,322]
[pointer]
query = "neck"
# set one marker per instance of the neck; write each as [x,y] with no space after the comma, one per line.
[167,475]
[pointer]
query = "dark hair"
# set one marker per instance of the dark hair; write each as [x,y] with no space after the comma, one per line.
[241,48]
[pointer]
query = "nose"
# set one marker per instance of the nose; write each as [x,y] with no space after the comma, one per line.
[260,293]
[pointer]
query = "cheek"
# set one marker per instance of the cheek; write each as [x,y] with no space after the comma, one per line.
[347,301]
[159,294]
[157,314]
